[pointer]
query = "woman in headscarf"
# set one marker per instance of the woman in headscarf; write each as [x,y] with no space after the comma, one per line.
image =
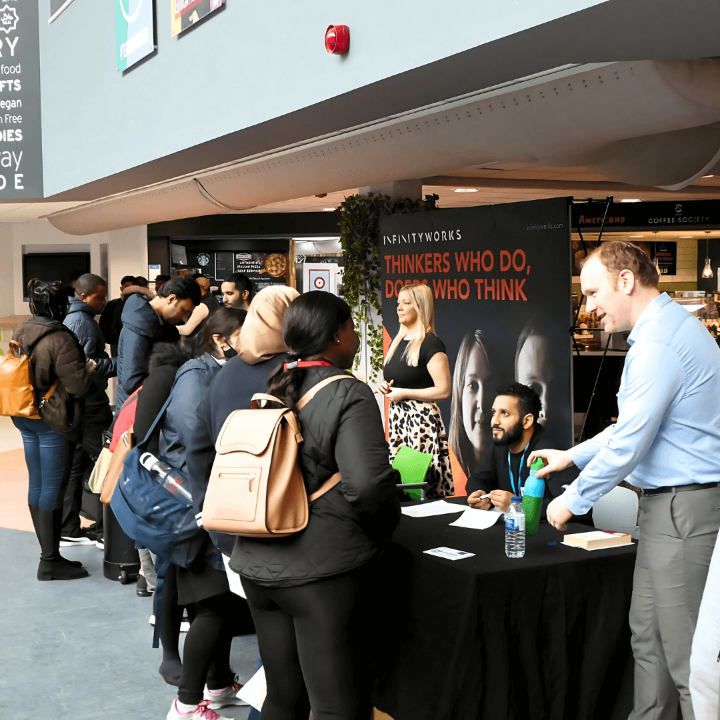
[261,349]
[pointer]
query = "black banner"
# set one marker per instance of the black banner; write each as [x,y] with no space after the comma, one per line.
[501,280]
[647,215]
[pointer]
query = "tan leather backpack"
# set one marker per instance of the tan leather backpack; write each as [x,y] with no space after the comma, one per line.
[17,386]
[256,488]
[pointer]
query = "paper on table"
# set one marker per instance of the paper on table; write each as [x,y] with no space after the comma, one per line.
[233,579]
[255,690]
[428,509]
[477,519]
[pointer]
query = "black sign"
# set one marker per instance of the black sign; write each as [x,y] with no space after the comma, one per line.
[500,277]
[20,126]
[647,215]
[224,265]
[666,255]
[263,268]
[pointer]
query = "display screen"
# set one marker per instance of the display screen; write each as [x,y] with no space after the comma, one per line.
[53,266]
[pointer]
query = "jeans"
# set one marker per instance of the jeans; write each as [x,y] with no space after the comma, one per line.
[47,455]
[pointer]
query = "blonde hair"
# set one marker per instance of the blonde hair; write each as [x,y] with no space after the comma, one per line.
[421,298]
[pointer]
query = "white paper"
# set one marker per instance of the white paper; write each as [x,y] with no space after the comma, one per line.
[449,553]
[428,509]
[477,519]
[233,579]
[255,690]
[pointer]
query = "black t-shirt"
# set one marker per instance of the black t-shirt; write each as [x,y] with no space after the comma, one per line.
[211,302]
[515,459]
[413,378]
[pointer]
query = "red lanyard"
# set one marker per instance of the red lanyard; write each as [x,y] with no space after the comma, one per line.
[306,364]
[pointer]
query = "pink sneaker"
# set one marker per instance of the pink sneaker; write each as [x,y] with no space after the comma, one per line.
[201,712]
[224,698]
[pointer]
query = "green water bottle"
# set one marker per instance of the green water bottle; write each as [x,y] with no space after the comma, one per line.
[533,497]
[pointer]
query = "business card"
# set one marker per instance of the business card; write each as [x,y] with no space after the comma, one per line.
[449,553]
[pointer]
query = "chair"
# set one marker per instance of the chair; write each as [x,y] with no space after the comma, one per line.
[413,467]
[617,511]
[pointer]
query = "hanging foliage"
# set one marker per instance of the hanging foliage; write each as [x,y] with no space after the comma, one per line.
[360,240]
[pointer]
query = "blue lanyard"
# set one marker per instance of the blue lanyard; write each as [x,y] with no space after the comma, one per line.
[517,491]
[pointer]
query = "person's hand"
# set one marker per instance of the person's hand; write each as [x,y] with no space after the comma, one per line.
[474,500]
[396,395]
[555,461]
[90,366]
[501,499]
[384,387]
[557,514]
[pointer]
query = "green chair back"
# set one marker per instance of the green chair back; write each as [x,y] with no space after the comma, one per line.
[413,467]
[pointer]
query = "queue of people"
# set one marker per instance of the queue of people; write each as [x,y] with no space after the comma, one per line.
[309,594]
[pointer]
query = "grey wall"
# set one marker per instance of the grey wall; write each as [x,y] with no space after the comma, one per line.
[247,63]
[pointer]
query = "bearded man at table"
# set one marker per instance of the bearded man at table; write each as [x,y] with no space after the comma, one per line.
[667,443]
[516,433]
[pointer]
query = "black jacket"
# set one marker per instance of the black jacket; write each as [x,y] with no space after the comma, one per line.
[348,526]
[494,473]
[142,328]
[81,320]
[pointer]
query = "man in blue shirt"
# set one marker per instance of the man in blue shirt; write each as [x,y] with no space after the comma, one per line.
[667,443]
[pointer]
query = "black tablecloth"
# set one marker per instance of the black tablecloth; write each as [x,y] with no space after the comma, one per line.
[544,636]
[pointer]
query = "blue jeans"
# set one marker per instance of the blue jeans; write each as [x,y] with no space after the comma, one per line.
[47,456]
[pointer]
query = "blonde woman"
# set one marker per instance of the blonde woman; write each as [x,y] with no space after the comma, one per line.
[417,376]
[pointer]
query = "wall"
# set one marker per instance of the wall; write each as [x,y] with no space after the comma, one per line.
[242,66]
[125,251]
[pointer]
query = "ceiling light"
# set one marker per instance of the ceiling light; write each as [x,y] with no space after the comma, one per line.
[686,237]
[707,270]
[636,236]
[708,176]
[328,209]
[631,200]
[465,189]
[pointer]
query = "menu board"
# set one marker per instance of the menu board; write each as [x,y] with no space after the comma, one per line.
[269,268]
[223,265]
[666,255]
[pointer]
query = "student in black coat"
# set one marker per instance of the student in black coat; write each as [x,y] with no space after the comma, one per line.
[516,433]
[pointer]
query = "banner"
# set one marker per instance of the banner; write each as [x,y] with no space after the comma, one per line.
[21,170]
[134,31]
[185,13]
[500,276]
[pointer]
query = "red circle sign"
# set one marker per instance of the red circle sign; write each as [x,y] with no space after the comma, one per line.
[319,283]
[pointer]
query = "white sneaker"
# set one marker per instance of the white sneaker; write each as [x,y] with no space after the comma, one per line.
[201,712]
[224,698]
[75,540]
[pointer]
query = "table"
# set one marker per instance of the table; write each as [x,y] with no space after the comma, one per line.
[541,637]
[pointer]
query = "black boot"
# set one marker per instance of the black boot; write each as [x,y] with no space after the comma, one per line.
[34,515]
[52,565]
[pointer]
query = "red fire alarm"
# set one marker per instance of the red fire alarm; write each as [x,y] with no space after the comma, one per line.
[337,39]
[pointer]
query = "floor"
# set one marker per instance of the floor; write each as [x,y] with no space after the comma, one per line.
[79,650]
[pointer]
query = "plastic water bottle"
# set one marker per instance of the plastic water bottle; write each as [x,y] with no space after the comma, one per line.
[515,530]
[167,476]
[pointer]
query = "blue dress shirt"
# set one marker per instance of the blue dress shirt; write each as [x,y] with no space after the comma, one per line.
[668,428]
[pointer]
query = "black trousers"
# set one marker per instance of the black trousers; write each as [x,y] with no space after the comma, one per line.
[97,419]
[315,646]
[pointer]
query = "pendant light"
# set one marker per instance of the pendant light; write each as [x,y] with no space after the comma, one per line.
[656,261]
[707,270]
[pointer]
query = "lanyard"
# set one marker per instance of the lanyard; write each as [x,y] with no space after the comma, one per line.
[306,364]
[517,492]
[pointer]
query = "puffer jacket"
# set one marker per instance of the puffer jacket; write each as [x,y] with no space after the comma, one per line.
[190,391]
[142,328]
[348,526]
[81,320]
[56,355]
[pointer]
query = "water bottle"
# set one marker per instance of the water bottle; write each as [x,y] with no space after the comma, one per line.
[533,498]
[515,529]
[167,476]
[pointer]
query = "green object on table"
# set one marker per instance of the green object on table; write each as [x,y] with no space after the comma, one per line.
[412,466]
[533,498]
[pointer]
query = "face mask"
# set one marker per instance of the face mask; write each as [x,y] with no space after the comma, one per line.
[229,353]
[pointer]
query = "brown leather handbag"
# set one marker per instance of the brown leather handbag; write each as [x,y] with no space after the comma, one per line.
[256,488]
[124,446]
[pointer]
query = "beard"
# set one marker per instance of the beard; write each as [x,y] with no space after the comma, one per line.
[510,436]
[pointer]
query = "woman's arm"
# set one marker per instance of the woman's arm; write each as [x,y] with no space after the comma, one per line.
[198,315]
[439,369]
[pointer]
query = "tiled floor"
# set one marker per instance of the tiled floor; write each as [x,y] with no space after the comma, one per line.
[79,650]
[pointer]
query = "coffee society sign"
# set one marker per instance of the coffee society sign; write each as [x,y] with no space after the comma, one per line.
[20,126]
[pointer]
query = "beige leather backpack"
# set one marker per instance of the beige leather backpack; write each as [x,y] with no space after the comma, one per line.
[256,488]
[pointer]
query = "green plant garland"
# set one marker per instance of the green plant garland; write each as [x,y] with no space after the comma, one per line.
[360,240]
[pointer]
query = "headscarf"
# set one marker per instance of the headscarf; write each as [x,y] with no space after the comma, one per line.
[261,336]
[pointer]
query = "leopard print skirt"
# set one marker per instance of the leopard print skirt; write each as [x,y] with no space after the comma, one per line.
[419,425]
